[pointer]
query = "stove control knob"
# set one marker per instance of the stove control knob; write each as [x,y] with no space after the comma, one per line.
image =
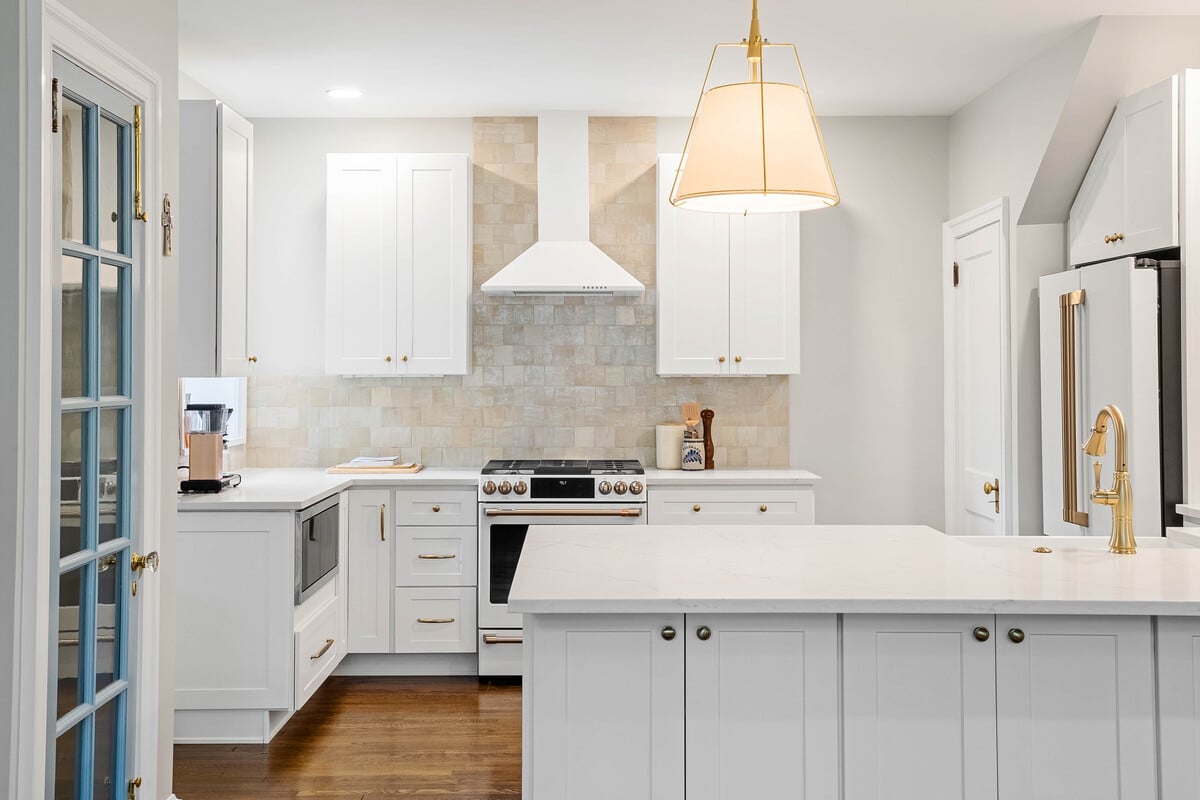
[505,487]
[620,487]
[489,487]
[605,487]
[636,487]
[521,487]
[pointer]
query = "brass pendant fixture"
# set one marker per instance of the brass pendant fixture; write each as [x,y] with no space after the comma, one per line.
[754,146]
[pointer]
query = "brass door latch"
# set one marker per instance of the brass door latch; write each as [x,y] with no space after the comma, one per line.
[992,488]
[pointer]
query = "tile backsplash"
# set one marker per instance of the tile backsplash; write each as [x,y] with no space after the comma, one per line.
[553,377]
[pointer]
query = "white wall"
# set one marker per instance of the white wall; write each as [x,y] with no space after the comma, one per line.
[996,146]
[866,410]
[289,221]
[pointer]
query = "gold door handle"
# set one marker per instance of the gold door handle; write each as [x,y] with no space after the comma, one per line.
[982,634]
[1016,635]
[435,620]
[436,509]
[382,511]
[436,555]
[1067,380]
[322,651]
[696,508]
[763,508]
[990,488]
[148,562]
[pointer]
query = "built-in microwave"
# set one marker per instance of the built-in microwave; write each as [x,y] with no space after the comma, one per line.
[316,547]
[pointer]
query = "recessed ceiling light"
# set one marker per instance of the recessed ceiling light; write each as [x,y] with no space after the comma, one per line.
[344,93]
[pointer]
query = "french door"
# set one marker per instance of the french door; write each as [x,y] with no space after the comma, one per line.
[96,491]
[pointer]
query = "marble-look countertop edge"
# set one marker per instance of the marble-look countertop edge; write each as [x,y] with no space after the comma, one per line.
[1151,608]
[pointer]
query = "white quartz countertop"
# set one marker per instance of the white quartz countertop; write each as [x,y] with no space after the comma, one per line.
[843,569]
[293,489]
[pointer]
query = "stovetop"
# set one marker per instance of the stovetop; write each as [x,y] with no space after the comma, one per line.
[570,466]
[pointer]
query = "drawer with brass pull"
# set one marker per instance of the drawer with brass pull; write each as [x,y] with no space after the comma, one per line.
[317,650]
[436,507]
[436,555]
[720,505]
[435,619]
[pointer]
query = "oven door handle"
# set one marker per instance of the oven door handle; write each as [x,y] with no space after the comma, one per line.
[563,512]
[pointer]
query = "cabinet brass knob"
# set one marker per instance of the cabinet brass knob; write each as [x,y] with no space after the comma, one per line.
[668,633]
[436,509]
[404,358]
[387,359]
[253,359]
[696,507]
[721,359]
[763,508]
[1016,635]
[704,633]
[738,359]
[982,634]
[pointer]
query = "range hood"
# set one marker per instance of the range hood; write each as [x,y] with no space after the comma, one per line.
[563,260]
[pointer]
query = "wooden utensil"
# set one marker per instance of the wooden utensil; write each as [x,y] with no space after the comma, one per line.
[707,415]
[691,417]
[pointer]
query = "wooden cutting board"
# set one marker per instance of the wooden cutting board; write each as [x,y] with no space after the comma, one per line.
[398,469]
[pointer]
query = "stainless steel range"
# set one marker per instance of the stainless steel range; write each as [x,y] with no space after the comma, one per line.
[516,494]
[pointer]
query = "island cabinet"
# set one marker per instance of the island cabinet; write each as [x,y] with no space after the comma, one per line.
[1008,707]
[668,706]
[1179,706]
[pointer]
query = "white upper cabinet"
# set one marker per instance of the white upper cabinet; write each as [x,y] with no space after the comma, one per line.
[216,187]
[398,265]
[728,289]
[1129,200]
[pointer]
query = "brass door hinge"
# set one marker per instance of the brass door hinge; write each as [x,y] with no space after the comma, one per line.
[956,274]
[54,106]
[134,785]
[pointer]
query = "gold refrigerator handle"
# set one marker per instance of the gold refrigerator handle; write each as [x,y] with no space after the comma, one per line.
[563,512]
[1070,449]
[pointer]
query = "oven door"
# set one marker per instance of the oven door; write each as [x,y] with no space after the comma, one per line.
[316,547]
[502,531]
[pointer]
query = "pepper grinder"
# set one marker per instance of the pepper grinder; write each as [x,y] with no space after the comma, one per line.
[707,415]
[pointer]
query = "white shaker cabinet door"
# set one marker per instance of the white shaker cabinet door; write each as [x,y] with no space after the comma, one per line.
[919,707]
[693,285]
[434,264]
[762,706]
[1179,706]
[360,320]
[1129,199]
[369,571]
[1075,704]
[764,294]
[603,707]
[235,193]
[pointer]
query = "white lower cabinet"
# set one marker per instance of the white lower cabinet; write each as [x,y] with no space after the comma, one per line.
[731,505]
[1179,706]
[435,619]
[370,538]
[317,650]
[1019,708]
[616,704]
[919,707]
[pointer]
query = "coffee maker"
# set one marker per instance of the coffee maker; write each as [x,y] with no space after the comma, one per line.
[205,438]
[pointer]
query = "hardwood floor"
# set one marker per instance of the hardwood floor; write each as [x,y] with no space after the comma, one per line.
[373,739]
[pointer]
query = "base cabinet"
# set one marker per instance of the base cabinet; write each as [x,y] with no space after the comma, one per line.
[371,539]
[1179,707]
[731,505]
[615,705]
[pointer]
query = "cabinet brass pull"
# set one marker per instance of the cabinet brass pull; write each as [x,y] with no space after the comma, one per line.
[763,508]
[387,359]
[704,633]
[436,555]
[382,537]
[404,358]
[323,650]
[1016,635]
[721,359]
[436,509]
[668,633]
[491,638]
[982,634]
[696,507]
[435,621]
[738,359]
[253,359]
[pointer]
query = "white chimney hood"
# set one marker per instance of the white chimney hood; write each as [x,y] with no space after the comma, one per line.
[563,260]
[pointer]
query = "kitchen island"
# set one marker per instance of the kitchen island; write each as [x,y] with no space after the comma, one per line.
[856,662]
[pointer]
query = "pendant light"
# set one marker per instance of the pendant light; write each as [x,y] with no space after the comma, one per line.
[755,146]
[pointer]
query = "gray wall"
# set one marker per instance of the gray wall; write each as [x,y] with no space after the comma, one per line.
[866,409]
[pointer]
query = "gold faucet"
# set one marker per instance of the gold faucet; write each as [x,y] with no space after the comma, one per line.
[1120,496]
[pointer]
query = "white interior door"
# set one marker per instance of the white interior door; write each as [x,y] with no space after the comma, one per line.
[976,385]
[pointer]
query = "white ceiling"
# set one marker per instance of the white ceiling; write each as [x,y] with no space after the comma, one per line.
[269,58]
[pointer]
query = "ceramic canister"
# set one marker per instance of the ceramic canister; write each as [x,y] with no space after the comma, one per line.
[692,454]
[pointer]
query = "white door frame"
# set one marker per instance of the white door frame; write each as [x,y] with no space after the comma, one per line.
[59,30]
[995,212]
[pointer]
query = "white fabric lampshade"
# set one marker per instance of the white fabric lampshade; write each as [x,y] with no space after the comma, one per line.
[755,147]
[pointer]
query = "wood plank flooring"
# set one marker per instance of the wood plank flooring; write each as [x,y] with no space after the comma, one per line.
[373,739]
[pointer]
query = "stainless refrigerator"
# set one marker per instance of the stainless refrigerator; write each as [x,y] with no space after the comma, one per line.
[1110,334]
